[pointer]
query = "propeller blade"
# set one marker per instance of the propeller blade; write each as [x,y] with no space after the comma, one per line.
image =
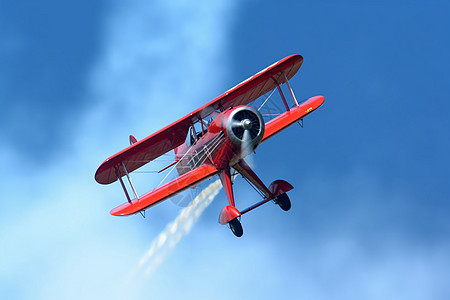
[246,143]
[235,123]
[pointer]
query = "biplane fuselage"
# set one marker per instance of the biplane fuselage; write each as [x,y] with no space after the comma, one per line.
[213,140]
[222,142]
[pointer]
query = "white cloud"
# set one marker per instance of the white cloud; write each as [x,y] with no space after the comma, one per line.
[160,60]
[58,240]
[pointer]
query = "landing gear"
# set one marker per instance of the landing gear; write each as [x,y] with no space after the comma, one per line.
[236,227]
[283,201]
[275,192]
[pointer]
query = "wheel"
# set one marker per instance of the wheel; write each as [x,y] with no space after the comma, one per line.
[236,227]
[283,201]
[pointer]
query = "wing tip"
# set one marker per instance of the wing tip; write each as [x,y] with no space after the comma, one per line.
[120,210]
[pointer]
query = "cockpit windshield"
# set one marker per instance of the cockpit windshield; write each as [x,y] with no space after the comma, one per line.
[197,131]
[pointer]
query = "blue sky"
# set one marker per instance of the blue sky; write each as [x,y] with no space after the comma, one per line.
[370,168]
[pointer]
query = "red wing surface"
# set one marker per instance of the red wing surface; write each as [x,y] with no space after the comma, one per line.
[255,86]
[293,115]
[143,151]
[165,191]
[174,135]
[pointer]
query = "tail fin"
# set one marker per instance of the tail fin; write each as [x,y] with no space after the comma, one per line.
[133,140]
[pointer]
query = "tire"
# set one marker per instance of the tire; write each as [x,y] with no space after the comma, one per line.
[236,227]
[284,202]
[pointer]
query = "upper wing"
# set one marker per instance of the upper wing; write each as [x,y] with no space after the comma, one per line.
[165,191]
[143,151]
[255,86]
[293,115]
[174,135]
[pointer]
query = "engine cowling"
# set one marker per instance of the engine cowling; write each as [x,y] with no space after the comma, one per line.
[245,127]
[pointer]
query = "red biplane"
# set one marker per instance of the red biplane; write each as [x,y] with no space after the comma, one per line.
[212,140]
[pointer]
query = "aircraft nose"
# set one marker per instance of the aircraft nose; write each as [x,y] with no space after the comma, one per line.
[247,124]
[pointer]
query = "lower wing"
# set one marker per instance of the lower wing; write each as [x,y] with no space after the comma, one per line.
[293,115]
[166,191]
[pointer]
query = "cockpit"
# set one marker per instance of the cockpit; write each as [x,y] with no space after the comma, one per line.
[196,132]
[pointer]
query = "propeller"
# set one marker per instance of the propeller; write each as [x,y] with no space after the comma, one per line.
[246,126]
[247,148]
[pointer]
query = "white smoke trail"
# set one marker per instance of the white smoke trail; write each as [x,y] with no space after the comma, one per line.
[172,234]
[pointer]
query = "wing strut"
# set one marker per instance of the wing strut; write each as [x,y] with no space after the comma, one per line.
[290,89]
[123,185]
[124,189]
[282,97]
[281,92]
[129,180]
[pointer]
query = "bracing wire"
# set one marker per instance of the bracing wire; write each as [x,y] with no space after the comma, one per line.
[268,97]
